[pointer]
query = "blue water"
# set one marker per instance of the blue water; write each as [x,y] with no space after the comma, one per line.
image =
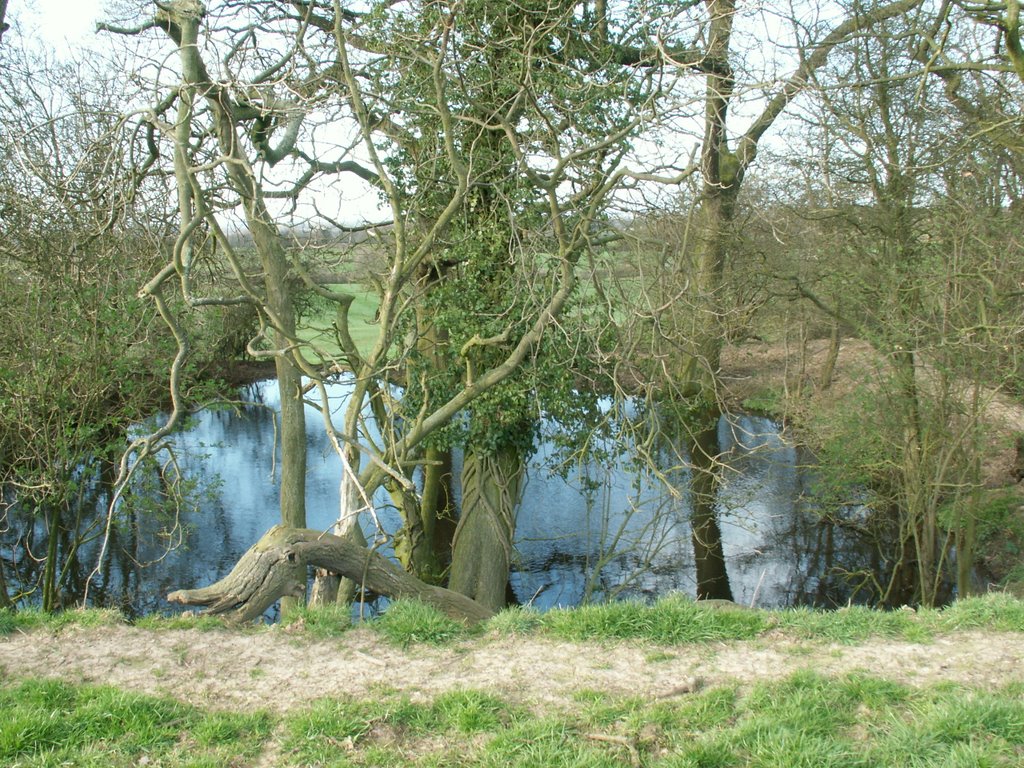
[628,537]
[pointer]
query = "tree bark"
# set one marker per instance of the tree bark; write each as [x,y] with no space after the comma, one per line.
[5,598]
[919,499]
[268,570]
[424,545]
[482,552]
[828,369]
[712,576]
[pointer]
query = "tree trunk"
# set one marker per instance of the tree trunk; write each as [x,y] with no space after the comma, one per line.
[482,551]
[424,544]
[437,507]
[293,449]
[828,369]
[430,521]
[268,570]
[712,576]
[278,307]
[5,598]
[966,537]
[51,597]
[918,497]
[699,369]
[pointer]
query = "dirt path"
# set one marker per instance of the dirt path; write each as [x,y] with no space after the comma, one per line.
[278,671]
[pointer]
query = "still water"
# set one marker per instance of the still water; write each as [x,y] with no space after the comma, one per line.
[625,536]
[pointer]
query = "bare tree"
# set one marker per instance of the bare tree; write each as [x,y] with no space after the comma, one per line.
[911,281]
[85,355]
[691,324]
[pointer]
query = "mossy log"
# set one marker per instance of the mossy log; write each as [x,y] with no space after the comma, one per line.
[267,572]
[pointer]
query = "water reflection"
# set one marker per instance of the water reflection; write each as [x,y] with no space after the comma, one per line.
[608,530]
[634,538]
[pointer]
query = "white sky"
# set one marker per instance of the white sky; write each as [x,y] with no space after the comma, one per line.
[62,24]
[57,22]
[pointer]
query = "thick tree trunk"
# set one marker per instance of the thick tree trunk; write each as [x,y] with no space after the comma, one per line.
[268,570]
[437,508]
[424,546]
[697,351]
[722,177]
[482,552]
[293,448]
[293,421]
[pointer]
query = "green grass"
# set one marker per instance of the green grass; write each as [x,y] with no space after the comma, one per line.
[322,622]
[995,611]
[314,736]
[811,720]
[515,620]
[410,621]
[670,620]
[852,625]
[676,620]
[32,618]
[471,712]
[50,723]
[807,719]
[318,326]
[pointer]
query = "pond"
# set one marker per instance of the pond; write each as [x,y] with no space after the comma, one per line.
[606,530]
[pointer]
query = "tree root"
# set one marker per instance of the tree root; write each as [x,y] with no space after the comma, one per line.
[275,567]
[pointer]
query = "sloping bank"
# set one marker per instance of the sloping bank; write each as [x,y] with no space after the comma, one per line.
[669,684]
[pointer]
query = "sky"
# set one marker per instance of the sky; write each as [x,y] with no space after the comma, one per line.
[57,22]
[66,24]
[60,24]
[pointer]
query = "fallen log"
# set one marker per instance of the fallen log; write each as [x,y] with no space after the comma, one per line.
[275,566]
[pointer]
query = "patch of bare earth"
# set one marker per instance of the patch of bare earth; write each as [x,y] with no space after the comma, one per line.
[753,368]
[279,671]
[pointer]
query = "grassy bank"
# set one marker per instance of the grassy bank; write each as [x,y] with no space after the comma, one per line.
[805,720]
[808,718]
[675,619]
